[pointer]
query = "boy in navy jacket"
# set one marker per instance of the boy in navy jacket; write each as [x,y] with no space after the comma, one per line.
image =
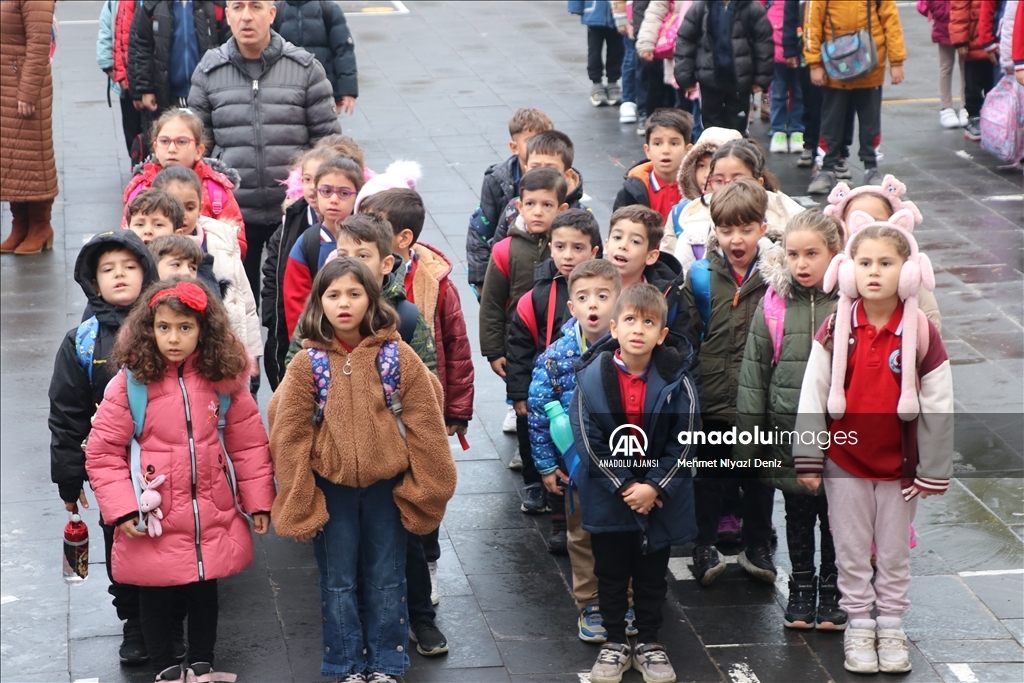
[634,397]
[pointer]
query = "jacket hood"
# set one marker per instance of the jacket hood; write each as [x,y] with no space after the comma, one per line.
[385,335]
[576,196]
[85,271]
[393,288]
[228,54]
[545,271]
[505,171]
[223,169]
[641,171]
[436,263]
[664,272]
[670,358]
[150,167]
[770,246]
[708,143]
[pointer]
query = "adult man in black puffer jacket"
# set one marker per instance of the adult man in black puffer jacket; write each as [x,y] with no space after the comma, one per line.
[320,27]
[262,100]
[727,47]
[166,42]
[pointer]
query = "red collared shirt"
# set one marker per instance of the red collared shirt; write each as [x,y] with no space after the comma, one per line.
[873,375]
[633,389]
[663,196]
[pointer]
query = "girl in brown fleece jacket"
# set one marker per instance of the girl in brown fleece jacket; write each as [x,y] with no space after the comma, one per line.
[351,476]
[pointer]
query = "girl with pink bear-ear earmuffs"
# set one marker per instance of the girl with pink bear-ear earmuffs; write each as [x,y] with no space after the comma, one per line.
[878,383]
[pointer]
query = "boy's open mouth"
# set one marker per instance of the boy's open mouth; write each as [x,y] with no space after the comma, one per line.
[592,318]
[620,259]
[738,254]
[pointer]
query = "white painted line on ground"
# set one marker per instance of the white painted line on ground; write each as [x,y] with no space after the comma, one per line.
[963,672]
[7,598]
[991,572]
[584,676]
[1004,198]
[742,673]
[963,155]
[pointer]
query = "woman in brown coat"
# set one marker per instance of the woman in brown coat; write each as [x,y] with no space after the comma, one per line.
[28,172]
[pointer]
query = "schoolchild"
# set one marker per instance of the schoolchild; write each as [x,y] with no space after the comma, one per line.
[154,213]
[653,182]
[374,476]
[178,349]
[176,255]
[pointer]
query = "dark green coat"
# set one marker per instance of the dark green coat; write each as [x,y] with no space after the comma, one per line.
[721,351]
[768,396]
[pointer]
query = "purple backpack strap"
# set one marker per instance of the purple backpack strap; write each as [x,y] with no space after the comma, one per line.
[775,319]
[390,379]
[321,381]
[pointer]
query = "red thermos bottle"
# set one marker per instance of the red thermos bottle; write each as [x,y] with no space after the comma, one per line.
[76,551]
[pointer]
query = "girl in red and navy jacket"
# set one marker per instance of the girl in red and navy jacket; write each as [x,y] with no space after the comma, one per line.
[887,428]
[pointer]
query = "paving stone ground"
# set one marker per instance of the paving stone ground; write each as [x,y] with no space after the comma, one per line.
[438,84]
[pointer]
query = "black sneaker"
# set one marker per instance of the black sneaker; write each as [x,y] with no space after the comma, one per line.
[133,647]
[558,543]
[429,640]
[707,566]
[830,616]
[178,639]
[171,673]
[972,131]
[802,596]
[757,561]
[535,500]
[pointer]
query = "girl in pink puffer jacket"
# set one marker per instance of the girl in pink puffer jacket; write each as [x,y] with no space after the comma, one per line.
[180,345]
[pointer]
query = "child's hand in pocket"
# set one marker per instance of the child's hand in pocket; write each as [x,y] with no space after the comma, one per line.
[129,530]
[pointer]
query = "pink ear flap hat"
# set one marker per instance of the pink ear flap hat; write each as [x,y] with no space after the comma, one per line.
[916,273]
[890,190]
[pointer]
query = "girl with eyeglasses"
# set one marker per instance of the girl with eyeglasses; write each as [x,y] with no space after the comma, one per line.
[734,159]
[337,183]
[177,138]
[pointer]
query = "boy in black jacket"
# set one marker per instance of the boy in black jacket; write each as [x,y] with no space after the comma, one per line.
[537,322]
[501,185]
[727,47]
[112,269]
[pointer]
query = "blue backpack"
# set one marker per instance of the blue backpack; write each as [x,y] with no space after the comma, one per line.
[700,280]
[138,401]
[85,344]
[390,379]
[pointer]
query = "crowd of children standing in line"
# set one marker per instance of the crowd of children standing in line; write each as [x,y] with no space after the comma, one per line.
[708,304]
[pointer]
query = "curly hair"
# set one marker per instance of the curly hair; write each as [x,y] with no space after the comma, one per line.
[379,315]
[218,355]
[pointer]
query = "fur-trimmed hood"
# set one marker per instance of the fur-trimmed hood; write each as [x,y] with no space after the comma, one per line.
[708,143]
[776,273]
[215,165]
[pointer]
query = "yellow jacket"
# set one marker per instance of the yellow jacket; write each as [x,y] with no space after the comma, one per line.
[850,16]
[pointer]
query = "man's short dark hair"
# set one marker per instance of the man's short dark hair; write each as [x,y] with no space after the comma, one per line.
[553,142]
[544,179]
[581,220]
[401,206]
[158,201]
[676,119]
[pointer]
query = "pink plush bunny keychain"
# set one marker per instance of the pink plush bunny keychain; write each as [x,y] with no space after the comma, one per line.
[915,273]
[149,503]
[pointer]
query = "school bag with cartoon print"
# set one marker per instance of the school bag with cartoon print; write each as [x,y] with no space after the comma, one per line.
[390,379]
[1002,121]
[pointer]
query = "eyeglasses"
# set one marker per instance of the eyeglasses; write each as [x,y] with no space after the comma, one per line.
[343,193]
[164,142]
[718,183]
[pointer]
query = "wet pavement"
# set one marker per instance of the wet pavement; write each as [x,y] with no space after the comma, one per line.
[438,85]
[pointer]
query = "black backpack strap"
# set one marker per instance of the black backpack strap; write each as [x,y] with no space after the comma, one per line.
[408,318]
[311,249]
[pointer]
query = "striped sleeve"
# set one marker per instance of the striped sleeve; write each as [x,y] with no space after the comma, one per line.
[809,458]
[935,424]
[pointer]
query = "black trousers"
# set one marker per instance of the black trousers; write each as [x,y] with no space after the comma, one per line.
[131,122]
[812,109]
[836,107]
[803,513]
[660,95]
[417,581]
[725,108]
[530,473]
[611,65]
[977,82]
[712,484]
[126,596]
[158,604]
[256,236]
[619,558]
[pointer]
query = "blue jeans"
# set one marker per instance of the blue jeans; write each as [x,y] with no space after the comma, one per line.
[784,119]
[629,71]
[364,536]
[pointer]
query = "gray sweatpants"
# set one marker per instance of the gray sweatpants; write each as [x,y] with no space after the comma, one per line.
[862,512]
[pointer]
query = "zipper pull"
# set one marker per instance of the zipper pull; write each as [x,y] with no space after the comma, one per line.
[255,86]
[736,298]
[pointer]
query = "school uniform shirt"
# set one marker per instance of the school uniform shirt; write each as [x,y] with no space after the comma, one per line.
[872,392]
[663,195]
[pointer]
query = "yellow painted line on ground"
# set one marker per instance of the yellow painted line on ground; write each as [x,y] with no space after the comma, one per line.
[923,100]
[378,10]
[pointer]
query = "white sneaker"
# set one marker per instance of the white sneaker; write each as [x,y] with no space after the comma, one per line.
[964,118]
[613,660]
[859,645]
[509,424]
[949,119]
[435,596]
[780,143]
[893,651]
[627,112]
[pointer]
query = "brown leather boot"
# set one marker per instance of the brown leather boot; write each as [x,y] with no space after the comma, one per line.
[40,233]
[19,227]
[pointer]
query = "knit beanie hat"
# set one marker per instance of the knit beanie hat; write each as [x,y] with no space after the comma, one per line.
[915,273]
[399,174]
[890,190]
